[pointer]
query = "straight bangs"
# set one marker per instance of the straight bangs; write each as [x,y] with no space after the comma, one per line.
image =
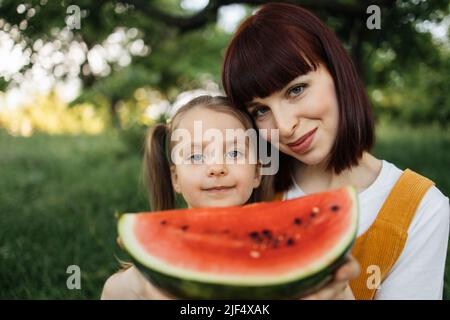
[261,59]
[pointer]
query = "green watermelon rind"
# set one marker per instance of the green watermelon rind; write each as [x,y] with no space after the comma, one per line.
[185,285]
[187,289]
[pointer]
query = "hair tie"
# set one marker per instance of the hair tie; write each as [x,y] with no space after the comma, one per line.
[168,122]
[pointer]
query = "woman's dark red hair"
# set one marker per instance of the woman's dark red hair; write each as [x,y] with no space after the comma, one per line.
[281,42]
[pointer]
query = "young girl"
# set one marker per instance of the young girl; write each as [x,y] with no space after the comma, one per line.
[201,174]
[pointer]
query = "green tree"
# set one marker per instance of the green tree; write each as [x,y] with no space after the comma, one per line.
[185,44]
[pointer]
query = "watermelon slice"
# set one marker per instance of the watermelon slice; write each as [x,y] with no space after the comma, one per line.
[268,250]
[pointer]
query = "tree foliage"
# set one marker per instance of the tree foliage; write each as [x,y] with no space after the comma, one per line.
[186,46]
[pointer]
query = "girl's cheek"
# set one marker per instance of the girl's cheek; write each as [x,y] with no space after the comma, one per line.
[245,174]
[189,176]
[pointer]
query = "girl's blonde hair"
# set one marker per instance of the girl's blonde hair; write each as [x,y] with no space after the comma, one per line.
[157,162]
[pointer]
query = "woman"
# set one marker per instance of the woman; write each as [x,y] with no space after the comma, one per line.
[291,73]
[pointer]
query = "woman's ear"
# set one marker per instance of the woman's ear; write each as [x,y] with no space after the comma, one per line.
[174,178]
[257,178]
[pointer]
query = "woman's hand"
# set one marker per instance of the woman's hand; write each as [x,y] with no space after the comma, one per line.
[338,288]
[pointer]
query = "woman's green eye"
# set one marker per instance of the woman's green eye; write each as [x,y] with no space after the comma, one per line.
[297,90]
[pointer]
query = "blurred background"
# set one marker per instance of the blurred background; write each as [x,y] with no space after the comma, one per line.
[81,81]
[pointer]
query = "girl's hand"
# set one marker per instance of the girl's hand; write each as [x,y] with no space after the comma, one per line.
[131,285]
[338,289]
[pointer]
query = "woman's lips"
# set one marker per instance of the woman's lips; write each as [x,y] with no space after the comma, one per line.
[302,145]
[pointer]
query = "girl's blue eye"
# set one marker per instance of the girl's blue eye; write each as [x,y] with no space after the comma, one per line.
[296,91]
[196,157]
[234,154]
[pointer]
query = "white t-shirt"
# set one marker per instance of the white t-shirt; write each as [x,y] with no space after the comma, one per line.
[419,271]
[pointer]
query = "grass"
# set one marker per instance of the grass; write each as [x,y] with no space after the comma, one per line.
[58,196]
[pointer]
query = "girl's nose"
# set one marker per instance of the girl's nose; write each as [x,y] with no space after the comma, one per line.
[217,170]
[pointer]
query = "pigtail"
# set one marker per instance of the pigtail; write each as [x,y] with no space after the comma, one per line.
[157,169]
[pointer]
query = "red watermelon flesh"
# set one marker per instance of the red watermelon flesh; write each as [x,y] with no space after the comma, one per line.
[260,244]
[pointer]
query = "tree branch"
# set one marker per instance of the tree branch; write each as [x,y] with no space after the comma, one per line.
[183,23]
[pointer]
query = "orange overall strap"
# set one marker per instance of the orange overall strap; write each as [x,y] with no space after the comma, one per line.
[380,246]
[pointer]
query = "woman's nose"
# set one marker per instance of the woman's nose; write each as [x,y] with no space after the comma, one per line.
[285,121]
[217,170]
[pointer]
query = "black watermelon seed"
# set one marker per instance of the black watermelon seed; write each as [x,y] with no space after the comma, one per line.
[184,227]
[297,221]
[255,236]
[290,242]
[313,214]
[334,208]
[267,233]
[163,222]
